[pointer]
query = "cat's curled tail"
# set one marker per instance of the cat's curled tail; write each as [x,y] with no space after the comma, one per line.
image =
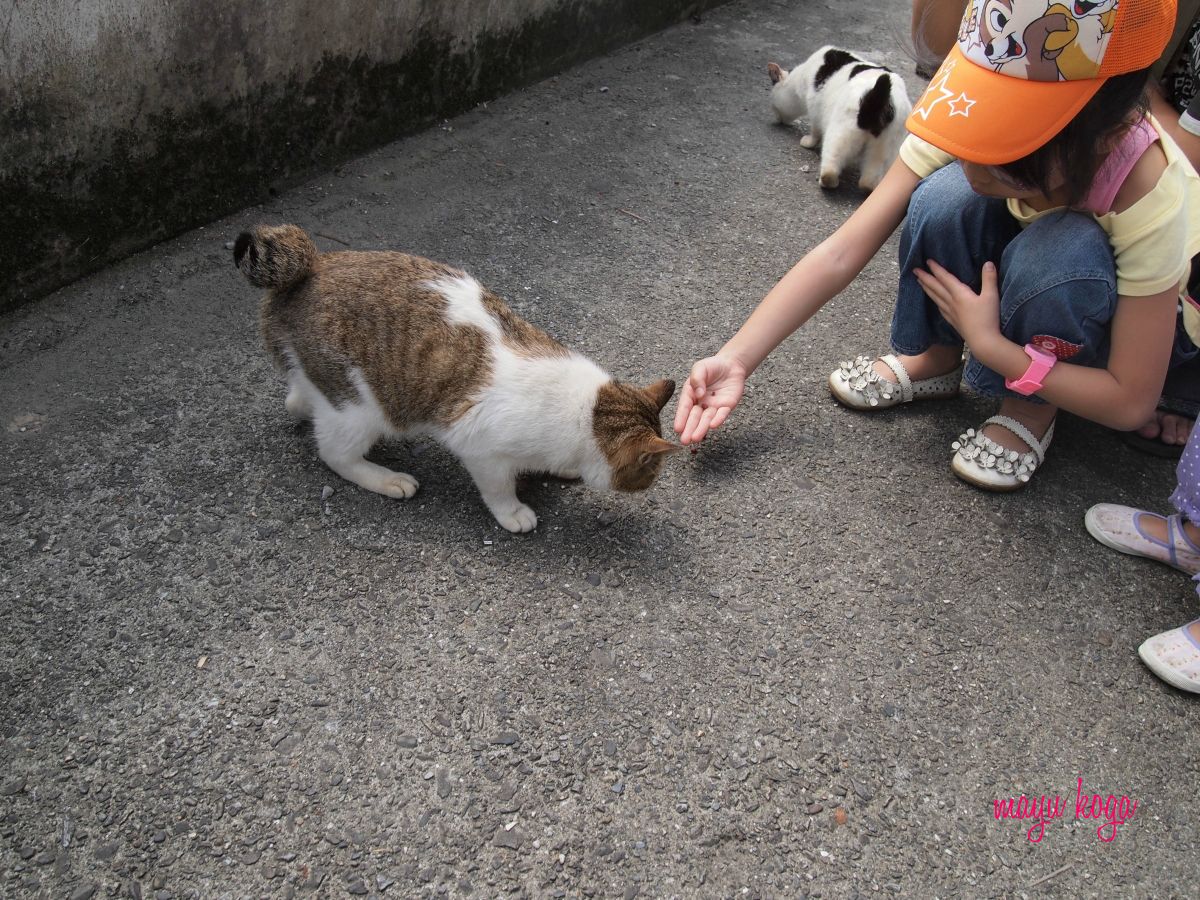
[274,256]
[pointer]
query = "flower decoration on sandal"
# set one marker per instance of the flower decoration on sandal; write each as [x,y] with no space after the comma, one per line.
[861,376]
[975,446]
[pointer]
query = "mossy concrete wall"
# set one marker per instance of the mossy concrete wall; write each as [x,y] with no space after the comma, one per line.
[123,122]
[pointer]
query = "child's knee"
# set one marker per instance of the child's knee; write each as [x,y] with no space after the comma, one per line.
[1068,258]
[941,200]
[1067,241]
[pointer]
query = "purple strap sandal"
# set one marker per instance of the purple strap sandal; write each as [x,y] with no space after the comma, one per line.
[1120,528]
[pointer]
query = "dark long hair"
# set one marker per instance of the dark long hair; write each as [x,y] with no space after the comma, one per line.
[1079,149]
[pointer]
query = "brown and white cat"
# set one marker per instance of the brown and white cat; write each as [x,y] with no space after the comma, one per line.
[382,344]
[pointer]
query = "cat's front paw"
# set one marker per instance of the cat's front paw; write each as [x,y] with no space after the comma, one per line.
[808,141]
[829,178]
[399,485]
[519,520]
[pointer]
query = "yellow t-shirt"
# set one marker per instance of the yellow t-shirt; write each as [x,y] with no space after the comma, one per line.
[1153,241]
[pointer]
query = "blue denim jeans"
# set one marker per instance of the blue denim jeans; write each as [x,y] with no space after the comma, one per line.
[1057,277]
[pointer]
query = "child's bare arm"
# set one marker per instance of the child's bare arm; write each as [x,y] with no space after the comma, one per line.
[715,385]
[1121,396]
[825,271]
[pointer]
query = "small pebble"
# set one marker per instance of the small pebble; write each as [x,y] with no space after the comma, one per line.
[13,787]
[509,839]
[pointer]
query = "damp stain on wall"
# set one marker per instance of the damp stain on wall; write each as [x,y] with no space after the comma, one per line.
[81,189]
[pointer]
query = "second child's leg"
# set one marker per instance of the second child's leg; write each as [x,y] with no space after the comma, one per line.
[1186,497]
[1174,655]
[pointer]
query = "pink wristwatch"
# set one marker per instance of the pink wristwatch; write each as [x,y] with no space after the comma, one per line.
[1040,363]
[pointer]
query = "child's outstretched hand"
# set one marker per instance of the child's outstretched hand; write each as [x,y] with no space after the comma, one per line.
[712,391]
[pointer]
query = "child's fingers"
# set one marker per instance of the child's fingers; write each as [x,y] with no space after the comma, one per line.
[933,287]
[685,406]
[946,309]
[700,429]
[682,415]
[689,429]
[720,417]
[990,277]
[930,279]
[943,276]
[939,271]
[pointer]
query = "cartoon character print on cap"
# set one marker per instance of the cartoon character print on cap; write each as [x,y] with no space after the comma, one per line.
[1088,25]
[1036,39]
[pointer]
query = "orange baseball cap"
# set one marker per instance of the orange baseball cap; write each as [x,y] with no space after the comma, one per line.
[1022,69]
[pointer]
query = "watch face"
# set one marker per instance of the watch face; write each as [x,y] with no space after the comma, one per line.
[1039,356]
[1055,346]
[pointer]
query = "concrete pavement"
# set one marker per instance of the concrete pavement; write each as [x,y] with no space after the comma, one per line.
[806,663]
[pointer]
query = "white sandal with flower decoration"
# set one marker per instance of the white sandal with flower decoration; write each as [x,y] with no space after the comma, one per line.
[982,462]
[857,384]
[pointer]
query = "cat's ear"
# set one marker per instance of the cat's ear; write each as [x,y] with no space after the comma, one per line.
[777,74]
[655,446]
[660,392]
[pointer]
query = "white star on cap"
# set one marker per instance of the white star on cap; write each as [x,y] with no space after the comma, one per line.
[939,86]
[965,104]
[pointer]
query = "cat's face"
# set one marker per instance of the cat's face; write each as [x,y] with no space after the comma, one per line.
[626,426]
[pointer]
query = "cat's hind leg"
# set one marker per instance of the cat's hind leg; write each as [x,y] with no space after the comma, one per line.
[876,159]
[842,145]
[299,400]
[344,435]
[497,483]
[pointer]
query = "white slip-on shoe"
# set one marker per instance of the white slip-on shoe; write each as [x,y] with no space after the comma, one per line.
[857,385]
[1120,527]
[1174,656]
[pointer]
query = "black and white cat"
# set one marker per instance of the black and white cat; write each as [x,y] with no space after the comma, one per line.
[855,109]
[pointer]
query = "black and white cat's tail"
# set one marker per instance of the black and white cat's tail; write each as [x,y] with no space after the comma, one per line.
[274,256]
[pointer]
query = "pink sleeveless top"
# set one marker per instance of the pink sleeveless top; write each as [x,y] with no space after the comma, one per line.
[1117,167]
